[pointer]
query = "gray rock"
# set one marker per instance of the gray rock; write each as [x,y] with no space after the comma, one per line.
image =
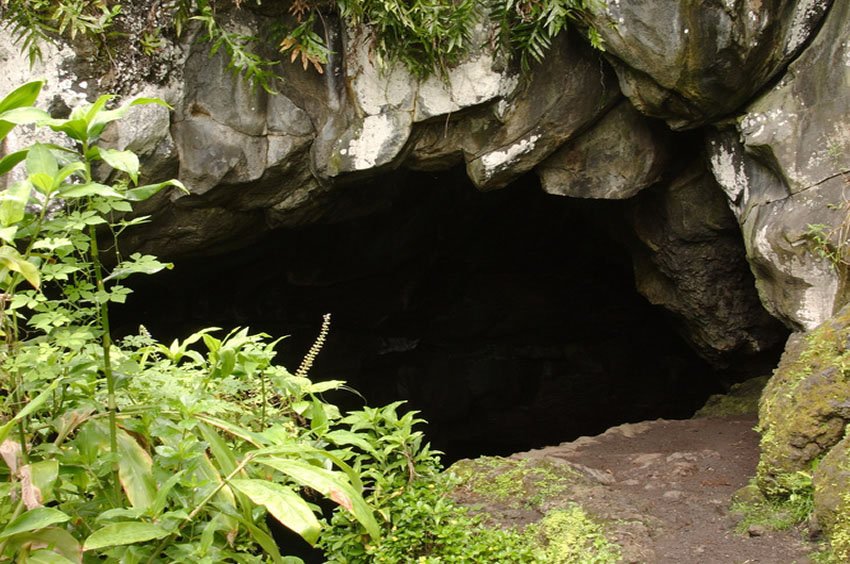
[832,486]
[785,169]
[804,408]
[690,61]
[564,95]
[382,104]
[618,157]
[831,513]
[690,261]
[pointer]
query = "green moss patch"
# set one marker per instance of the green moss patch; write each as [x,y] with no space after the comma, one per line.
[742,399]
[800,413]
[524,483]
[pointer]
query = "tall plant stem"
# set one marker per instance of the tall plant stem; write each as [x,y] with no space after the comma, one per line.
[12,330]
[106,344]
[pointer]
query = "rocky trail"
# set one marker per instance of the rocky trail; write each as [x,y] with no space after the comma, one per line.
[663,488]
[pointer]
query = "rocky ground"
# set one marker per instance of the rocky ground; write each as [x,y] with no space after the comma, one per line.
[663,489]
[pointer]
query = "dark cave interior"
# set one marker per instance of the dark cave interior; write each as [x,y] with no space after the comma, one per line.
[508,318]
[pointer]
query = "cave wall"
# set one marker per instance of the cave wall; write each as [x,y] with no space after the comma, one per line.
[746,99]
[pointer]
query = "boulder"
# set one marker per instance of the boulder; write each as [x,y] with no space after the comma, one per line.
[785,168]
[691,61]
[832,498]
[805,407]
[563,96]
[618,157]
[381,104]
[690,260]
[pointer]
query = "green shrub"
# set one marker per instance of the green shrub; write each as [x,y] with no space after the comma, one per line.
[137,451]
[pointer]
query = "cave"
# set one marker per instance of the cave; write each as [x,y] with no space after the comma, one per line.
[509,319]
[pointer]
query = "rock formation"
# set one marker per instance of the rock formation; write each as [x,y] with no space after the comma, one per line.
[723,125]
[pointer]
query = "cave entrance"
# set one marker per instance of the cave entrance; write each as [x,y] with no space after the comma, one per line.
[508,318]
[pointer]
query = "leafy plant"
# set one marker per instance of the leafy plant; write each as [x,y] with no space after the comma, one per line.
[427,526]
[527,27]
[788,504]
[136,451]
[426,36]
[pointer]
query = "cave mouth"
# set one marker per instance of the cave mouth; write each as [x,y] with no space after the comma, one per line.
[509,318]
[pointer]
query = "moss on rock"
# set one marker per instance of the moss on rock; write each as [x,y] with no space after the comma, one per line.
[513,483]
[805,406]
[536,497]
[742,399]
[832,498]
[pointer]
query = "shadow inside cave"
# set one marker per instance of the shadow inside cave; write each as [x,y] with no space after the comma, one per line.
[509,318]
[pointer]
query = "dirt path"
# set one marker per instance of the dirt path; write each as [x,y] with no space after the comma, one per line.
[664,487]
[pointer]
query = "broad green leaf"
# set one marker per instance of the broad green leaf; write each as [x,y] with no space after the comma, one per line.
[342,437]
[119,513]
[142,193]
[235,430]
[92,111]
[24,95]
[13,203]
[68,170]
[134,471]
[10,258]
[44,474]
[225,496]
[263,539]
[47,557]
[319,387]
[125,161]
[329,484]
[19,116]
[34,519]
[73,128]
[165,488]
[222,454]
[40,160]
[31,407]
[9,161]
[42,182]
[7,234]
[60,541]
[143,100]
[138,264]
[19,98]
[227,362]
[134,463]
[90,189]
[285,505]
[118,534]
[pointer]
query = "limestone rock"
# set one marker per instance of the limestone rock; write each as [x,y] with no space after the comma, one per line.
[805,407]
[563,96]
[691,262]
[690,61]
[786,169]
[618,157]
[382,104]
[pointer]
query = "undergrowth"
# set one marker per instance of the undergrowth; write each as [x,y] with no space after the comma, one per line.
[786,508]
[142,451]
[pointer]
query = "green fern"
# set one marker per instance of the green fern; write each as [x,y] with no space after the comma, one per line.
[426,36]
